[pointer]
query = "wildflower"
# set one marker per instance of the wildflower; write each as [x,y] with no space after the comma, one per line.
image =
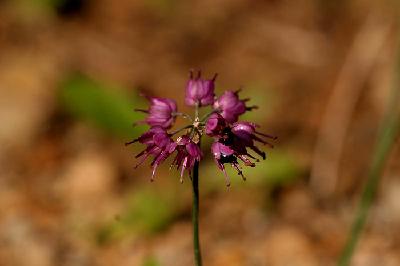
[232,143]
[161,112]
[230,106]
[188,153]
[215,125]
[246,134]
[159,145]
[225,154]
[233,140]
[200,91]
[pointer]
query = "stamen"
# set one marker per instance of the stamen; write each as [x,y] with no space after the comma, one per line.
[267,135]
[141,161]
[238,170]
[246,161]
[130,142]
[141,110]
[140,154]
[215,77]
[263,141]
[238,90]
[184,166]
[261,153]
[227,180]
[252,157]
[250,108]
[198,74]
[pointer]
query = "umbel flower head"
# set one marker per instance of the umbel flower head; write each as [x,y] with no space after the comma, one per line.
[233,139]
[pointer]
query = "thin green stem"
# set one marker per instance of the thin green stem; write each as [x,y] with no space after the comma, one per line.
[180,129]
[196,112]
[386,138]
[206,116]
[184,116]
[195,215]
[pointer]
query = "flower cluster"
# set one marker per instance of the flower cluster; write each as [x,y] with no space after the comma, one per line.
[233,139]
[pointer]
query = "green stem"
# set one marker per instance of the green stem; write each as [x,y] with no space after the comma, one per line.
[386,139]
[195,215]
[206,116]
[196,112]
[184,116]
[180,129]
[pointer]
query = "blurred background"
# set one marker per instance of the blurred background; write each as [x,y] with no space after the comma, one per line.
[71,72]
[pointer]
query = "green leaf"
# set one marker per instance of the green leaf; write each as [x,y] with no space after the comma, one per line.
[147,210]
[261,97]
[99,104]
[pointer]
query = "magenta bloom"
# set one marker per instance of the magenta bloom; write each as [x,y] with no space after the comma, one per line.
[215,125]
[232,139]
[188,153]
[230,106]
[234,142]
[200,91]
[161,112]
[159,145]
[246,133]
[224,154]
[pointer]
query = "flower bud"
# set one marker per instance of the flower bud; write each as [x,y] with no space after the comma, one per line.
[230,106]
[215,125]
[160,113]
[200,91]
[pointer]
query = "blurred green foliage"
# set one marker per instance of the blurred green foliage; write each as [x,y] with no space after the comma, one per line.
[99,104]
[150,261]
[146,211]
[149,210]
[262,97]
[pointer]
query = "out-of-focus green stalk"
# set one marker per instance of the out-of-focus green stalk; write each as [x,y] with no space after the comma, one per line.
[386,138]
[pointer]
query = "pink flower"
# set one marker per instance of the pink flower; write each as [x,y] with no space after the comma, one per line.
[200,91]
[246,133]
[225,154]
[215,125]
[161,112]
[234,142]
[159,145]
[188,154]
[230,106]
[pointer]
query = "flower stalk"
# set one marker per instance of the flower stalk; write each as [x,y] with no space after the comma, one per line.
[195,215]
[233,140]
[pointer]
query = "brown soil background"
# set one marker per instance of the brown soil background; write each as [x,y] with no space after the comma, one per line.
[320,72]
